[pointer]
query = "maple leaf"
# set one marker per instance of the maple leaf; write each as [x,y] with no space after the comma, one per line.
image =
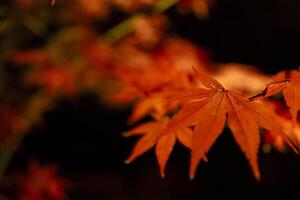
[206,109]
[291,92]
[152,132]
[53,2]
[150,88]
[285,119]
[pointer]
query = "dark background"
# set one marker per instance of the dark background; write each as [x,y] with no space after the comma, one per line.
[84,136]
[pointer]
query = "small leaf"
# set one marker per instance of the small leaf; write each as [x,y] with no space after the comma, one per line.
[148,140]
[153,133]
[163,150]
[292,92]
[267,119]
[292,96]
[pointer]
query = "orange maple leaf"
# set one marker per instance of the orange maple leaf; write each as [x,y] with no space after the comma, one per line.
[152,132]
[206,109]
[150,88]
[291,92]
[285,119]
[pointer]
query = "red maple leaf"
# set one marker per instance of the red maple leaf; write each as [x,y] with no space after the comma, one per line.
[206,109]
[291,92]
[151,131]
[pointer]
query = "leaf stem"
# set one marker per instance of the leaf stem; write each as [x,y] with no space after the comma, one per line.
[32,114]
[162,6]
[126,27]
[121,30]
[7,152]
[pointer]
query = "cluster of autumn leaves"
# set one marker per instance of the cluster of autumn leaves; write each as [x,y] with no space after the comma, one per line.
[76,58]
[166,80]
[202,116]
